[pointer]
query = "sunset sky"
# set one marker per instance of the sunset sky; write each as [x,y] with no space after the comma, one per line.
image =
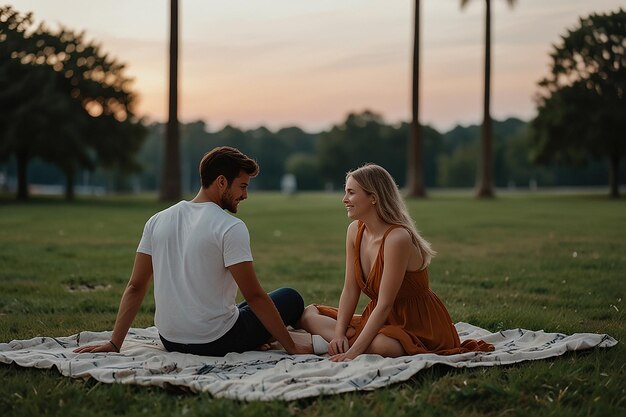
[310,62]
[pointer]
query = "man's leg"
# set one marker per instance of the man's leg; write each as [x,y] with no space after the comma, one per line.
[290,306]
[248,333]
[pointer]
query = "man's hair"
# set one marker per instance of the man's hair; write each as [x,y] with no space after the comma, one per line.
[225,161]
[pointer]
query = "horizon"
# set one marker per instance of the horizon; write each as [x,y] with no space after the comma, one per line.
[311,64]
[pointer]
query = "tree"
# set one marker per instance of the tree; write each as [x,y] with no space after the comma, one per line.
[415,172]
[171,181]
[305,168]
[365,137]
[15,78]
[485,166]
[349,145]
[62,100]
[582,102]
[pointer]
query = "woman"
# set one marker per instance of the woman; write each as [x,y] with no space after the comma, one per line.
[387,259]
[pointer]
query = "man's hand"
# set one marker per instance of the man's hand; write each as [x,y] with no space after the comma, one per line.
[103,347]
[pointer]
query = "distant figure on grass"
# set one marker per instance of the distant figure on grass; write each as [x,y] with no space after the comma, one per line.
[199,255]
[387,259]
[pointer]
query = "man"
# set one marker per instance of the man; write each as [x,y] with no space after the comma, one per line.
[199,255]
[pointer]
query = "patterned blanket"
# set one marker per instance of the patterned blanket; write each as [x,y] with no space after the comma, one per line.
[274,374]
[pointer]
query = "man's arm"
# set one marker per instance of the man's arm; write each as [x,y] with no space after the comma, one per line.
[263,307]
[129,306]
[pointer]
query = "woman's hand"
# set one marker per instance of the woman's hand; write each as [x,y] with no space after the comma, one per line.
[338,345]
[103,347]
[344,357]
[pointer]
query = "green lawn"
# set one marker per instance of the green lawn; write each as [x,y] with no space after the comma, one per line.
[552,262]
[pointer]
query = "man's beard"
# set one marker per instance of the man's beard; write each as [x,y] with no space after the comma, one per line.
[227,202]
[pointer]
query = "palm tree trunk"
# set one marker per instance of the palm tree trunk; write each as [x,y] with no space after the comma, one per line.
[614,175]
[485,178]
[69,185]
[170,183]
[22,175]
[415,169]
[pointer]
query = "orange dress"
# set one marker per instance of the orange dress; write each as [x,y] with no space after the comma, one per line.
[418,318]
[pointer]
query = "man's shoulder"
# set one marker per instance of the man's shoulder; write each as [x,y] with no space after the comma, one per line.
[229,221]
[218,219]
[174,207]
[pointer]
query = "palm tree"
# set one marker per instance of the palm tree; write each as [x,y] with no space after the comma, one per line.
[485,167]
[170,182]
[415,170]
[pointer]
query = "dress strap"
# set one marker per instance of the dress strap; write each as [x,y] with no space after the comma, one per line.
[358,270]
[359,237]
[389,229]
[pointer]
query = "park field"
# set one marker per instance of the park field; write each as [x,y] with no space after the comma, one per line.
[535,261]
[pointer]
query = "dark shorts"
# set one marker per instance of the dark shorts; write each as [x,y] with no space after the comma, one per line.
[248,333]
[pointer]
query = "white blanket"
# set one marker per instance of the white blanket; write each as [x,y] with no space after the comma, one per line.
[274,374]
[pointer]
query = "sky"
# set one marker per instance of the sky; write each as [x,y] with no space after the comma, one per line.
[309,63]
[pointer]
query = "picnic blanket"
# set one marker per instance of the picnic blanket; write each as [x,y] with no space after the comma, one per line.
[272,375]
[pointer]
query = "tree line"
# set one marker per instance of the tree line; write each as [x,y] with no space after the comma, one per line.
[320,160]
[66,109]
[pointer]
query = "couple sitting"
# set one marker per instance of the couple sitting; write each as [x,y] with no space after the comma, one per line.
[199,255]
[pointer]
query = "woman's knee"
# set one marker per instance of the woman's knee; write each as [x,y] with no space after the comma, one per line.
[386,346]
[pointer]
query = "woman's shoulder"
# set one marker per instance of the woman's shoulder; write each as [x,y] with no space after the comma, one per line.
[353,227]
[400,241]
[352,231]
[399,235]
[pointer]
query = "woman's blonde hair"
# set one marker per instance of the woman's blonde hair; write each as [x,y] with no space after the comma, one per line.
[376,181]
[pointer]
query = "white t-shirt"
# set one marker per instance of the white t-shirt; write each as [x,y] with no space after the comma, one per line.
[191,245]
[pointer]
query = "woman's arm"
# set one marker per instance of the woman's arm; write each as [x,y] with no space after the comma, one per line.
[398,247]
[349,295]
[129,306]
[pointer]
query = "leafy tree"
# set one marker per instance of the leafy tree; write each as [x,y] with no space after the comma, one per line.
[366,138]
[348,145]
[16,81]
[511,155]
[170,182]
[271,153]
[63,100]
[195,142]
[305,167]
[485,167]
[459,168]
[297,140]
[235,137]
[582,101]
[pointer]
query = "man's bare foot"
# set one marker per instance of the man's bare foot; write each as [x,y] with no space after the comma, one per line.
[272,345]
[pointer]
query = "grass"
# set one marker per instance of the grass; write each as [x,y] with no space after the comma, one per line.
[533,261]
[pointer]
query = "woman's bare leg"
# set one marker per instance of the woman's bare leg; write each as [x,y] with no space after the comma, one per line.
[315,323]
[386,346]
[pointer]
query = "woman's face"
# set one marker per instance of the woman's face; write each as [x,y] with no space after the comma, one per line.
[357,201]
